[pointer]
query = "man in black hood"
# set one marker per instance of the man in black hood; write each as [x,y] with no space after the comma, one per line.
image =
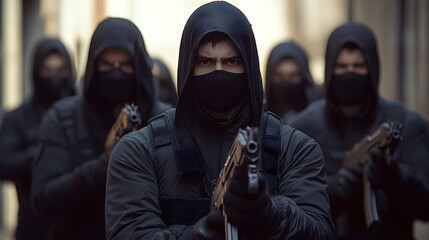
[352,110]
[53,79]
[69,174]
[160,178]
[289,86]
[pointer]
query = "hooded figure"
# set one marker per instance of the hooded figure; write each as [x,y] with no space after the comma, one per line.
[167,90]
[70,170]
[352,110]
[52,79]
[160,178]
[291,92]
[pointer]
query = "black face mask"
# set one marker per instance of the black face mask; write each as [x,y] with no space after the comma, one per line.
[115,86]
[220,91]
[289,93]
[52,88]
[350,88]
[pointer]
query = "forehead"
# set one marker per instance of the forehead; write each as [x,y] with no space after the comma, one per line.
[115,53]
[224,48]
[287,65]
[350,55]
[53,58]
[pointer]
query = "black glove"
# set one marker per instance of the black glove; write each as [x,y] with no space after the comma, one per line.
[210,227]
[251,211]
[383,170]
[347,184]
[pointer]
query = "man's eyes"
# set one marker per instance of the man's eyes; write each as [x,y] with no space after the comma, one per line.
[355,65]
[209,62]
[204,62]
[111,64]
[234,61]
[126,64]
[106,63]
[341,65]
[359,65]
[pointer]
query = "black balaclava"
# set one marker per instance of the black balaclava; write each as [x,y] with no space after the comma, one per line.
[221,91]
[297,95]
[49,89]
[363,38]
[167,89]
[99,109]
[213,139]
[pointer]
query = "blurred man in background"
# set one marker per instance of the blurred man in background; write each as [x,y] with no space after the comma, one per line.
[53,79]
[69,175]
[352,110]
[289,87]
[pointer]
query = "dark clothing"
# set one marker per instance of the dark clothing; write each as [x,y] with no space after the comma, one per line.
[68,181]
[167,89]
[398,205]
[18,141]
[415,185]
[397,210]
[70,170]
[141,174]
[293,51]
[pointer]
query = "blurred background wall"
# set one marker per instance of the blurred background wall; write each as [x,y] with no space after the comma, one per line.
[401,28]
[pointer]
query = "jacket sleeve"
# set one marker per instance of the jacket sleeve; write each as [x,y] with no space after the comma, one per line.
[302,203]
[59,187]
[16,153]
[132,208]
[411,194]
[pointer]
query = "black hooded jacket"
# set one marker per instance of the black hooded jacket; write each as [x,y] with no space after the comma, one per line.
[18,140]
[69,176]
[143,174]
[363,37]
[337,135]
[294,51]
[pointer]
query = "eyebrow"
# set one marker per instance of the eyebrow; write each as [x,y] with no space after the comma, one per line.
[233,57]
[103,61]
[130,61]
[203,57]
[340,64]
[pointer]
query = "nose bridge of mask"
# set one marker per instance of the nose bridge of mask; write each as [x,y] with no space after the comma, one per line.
[286,80]
[116,73]
[220,90]
[57,81]
[115,86]
[218,80]
[350,87]
[286,92]
[52,81]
